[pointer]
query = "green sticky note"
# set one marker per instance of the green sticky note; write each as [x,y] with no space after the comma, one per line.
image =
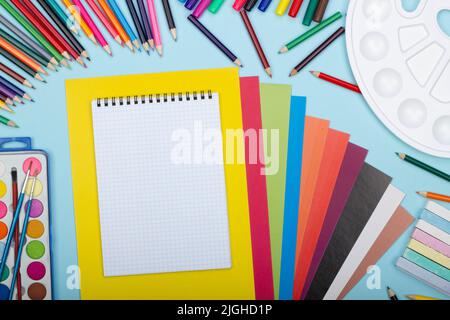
[215,5]
[275,107]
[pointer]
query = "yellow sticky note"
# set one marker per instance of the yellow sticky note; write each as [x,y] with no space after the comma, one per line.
[234,283]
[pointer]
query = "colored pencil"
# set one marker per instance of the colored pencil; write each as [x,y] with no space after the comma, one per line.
[62,16]
[155,27]
[336,81]
[317,51]
[310,10]
[320,11]
[4,106]
[5,90]
[61,24]
[295,8]
[282,6]
[146,22]
[22,239]
[15,75]
[311,32]
[264,4]
[169,16]
[21,56]
[32,30]
[201,8]
[250,4]
[115,22]
[190,4]
[214,40]
[67,49]
[215,6]
[391,294]
[255,41]
[25,38]
[434,196]
[138,25]
[21,65]
[104,20]
[6,100]
[11,124]
[123,21]
[424,166]
[15,194]
[15,88]
[26,50]
[239,4]
[98,35]
[77,16]
[418,297]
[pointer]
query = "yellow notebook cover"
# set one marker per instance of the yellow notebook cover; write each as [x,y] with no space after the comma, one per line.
[234,283]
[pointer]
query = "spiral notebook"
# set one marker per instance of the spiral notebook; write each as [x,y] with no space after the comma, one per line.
[161,183]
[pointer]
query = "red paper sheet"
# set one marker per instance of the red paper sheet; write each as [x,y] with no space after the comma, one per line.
[257,193]
[333,155]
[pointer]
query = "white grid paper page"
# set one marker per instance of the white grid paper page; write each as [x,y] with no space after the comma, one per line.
[158,216]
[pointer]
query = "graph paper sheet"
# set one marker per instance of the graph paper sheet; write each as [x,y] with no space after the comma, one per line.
[161,185]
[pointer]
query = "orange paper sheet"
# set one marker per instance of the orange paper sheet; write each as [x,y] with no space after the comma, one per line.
[316,131]
[333,155]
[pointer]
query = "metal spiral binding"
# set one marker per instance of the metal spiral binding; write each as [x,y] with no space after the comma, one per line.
[154,98]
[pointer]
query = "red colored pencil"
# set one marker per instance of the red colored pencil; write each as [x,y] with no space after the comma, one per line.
[336,81]
[33,20]
[57,36]
[295,8]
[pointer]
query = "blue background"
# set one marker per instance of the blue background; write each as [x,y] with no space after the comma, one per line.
[46,119]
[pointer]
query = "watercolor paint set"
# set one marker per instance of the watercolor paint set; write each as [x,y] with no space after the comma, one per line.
[34,279]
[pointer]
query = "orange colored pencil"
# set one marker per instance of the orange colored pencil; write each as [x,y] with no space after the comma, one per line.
[21,56]
[435,196]
[77,16]
[112,18]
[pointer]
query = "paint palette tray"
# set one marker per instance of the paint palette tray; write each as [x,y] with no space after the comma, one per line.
[35,269]
[401,61]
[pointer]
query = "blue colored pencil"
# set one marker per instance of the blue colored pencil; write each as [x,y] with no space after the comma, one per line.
[22,241]
[123,21]
[264,5]
[13,226]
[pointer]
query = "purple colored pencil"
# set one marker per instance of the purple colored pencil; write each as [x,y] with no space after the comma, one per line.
[190,4]
[146,22]
[202,6]
[12,87]
[351,167]
[8,92]
[214,40]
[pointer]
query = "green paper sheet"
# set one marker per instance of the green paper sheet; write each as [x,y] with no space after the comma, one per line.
[275,107]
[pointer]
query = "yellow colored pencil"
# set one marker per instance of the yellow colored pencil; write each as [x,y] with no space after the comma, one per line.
[418,297]
[282,7]
[77,16]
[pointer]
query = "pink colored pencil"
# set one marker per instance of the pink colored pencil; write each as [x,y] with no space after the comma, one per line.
[202,6]
[155,27]
[98,35]
[98,12]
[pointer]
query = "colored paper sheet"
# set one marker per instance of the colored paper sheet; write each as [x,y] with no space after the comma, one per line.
[213,284]
[291,202]
[438,210]
[396,226]
[257,190]
[334,152]
[431,242]
[387,206]
[434,231]
[275,107]
[429,253]
[427,264]
[424,275]
[316,132]
[351,167]
[367,193]
[436,221]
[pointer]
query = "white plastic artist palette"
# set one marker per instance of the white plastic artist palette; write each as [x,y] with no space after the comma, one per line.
[401,61]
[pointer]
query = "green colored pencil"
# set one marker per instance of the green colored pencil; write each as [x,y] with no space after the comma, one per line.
[25,49]
[215,6]
[32,30]
[311,32]
[424,166]
[310,11]
[63,16]
[8,122]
